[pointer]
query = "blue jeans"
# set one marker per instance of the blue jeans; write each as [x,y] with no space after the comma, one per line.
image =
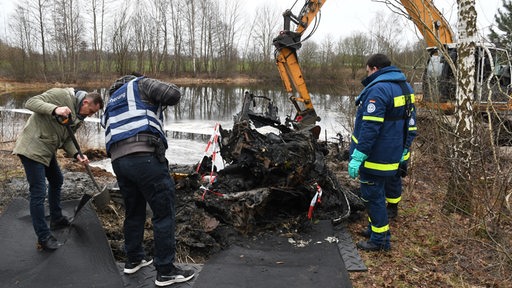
[143,179]
[373,195]
[37,174]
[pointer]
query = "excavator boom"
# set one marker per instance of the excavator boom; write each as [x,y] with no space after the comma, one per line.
[287,43]
[429,21]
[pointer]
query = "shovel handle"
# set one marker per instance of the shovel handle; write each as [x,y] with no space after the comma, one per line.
[66,121]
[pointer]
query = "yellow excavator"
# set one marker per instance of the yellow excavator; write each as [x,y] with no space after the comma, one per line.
[493,69]
[287,43]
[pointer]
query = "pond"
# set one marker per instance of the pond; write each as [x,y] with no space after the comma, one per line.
[190,124]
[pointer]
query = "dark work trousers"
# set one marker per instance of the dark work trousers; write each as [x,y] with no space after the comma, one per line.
[393,189]
[373,196]
[144,179]
[37,174]
[393,186]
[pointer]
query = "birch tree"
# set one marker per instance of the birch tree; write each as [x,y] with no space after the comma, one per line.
[460,190]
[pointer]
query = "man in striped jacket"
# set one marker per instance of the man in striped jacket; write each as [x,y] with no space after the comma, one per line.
[136,143]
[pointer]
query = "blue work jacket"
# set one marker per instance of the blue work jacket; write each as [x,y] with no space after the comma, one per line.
[381,125]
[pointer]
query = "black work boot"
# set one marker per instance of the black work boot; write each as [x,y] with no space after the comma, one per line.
[60,223]
[50,244]
[365,233]
[392,211]
[370,246]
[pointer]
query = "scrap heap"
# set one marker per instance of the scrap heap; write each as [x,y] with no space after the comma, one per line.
[270,177]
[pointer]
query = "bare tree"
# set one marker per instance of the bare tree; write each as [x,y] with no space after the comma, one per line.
[460,190]
[387,33]
[98,22]
[68,33]
[177,12]
[265,30]
[228,32]
[22,29]
[190,24]
[356,49]
[326,53]
[208,20]
[121,39]
[309,55]
[142,31]
[41,9]
[159,49]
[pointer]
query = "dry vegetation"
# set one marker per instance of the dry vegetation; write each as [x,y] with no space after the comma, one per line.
[430,248]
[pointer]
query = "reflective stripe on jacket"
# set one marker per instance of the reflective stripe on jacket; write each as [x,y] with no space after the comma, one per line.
[127,115]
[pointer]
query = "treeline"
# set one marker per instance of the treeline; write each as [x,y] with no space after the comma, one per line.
[78,40]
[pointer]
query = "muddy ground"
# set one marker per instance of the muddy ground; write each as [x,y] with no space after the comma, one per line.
[429,248]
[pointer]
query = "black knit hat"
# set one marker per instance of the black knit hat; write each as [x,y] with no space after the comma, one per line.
[120,82]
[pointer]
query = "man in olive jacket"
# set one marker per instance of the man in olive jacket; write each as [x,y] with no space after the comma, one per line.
[37,147]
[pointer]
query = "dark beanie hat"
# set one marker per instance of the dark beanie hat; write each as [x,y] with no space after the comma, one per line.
[120,82]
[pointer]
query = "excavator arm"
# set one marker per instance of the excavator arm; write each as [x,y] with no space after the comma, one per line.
[287,43]
[430,22]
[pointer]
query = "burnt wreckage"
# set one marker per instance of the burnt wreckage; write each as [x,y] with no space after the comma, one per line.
[272,176]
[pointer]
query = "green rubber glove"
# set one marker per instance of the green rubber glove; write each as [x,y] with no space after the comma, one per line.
[356,160]
[405,155]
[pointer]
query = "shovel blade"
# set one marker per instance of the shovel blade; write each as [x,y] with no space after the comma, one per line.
[81,204]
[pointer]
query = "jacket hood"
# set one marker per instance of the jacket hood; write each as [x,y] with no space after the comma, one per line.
[80,95]
[386,74]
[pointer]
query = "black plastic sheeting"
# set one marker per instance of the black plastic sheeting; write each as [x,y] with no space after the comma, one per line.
[85,259]
[271,261]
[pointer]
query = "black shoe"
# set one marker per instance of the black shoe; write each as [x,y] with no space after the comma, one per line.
[370,246]
[132,267]
[365,233]
[60,223]
[176,275]
[50,244]
[392,211]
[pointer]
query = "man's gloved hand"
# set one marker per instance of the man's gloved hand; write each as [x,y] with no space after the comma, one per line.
[402,167]
[405,155]
[357,159]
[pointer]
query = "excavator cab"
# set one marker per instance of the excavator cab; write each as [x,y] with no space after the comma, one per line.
[492,79]
[493,69]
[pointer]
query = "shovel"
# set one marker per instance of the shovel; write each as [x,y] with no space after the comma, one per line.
[86,197]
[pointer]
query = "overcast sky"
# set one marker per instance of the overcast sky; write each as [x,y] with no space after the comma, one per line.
[339,18]
[344,17]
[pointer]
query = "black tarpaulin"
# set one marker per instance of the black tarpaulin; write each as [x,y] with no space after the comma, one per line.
[85,259]
[276,261]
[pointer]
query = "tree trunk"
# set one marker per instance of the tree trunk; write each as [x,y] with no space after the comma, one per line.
[460,189]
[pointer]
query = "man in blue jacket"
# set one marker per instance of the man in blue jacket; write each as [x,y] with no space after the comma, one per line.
[378,142]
